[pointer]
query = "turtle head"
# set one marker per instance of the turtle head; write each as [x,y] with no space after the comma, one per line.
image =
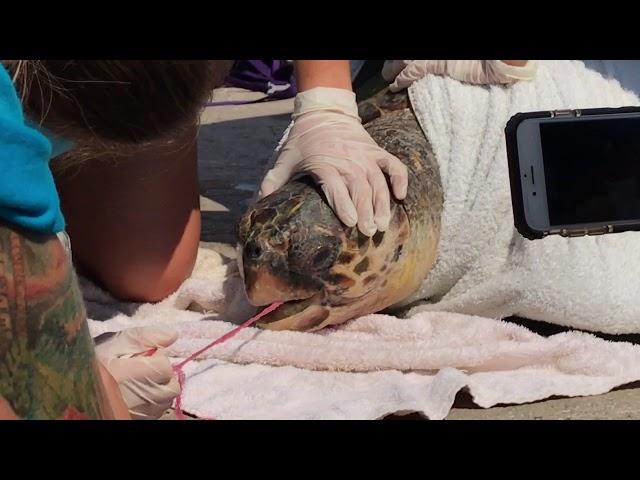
[295,250]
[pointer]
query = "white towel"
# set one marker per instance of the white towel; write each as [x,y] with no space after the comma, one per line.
[365,369]
[484,266]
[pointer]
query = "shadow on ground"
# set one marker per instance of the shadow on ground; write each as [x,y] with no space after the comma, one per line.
[232,157]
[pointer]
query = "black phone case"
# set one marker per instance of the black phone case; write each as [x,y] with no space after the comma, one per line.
[517,200]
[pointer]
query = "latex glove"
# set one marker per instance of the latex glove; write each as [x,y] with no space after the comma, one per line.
[147,383]
[66,242]
[402,73]
[328,142]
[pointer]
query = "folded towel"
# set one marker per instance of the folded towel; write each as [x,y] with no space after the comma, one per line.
[365,369]
[484,266]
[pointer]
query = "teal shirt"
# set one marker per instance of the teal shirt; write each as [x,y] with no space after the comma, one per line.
[28,195]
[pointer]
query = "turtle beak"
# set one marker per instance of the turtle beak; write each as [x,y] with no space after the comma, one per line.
[267,278]
[264,288]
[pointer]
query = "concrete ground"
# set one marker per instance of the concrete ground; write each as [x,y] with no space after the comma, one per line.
[236,143]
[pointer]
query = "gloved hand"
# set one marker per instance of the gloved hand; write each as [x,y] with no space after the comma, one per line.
[328,142]
[404,72]
[147,383]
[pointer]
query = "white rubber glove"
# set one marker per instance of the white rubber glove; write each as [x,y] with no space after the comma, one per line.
[65,241]
[147,383]
[328,142]
[404,72]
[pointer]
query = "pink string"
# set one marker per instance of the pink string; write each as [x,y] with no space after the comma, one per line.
[178,367]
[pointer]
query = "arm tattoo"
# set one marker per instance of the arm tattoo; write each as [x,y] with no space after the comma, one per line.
[48,368]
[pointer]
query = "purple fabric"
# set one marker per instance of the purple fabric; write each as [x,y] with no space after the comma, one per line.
[275,78]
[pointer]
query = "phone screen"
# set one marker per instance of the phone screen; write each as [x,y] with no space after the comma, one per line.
[592,170]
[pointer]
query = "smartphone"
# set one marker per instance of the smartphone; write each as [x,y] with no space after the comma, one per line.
[575,172]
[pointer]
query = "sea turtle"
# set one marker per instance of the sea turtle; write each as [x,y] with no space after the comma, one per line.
[295,250]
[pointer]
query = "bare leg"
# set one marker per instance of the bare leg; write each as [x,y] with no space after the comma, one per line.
[134,220]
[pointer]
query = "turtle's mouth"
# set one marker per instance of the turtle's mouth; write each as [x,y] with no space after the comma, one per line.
[294,311]
[311,313]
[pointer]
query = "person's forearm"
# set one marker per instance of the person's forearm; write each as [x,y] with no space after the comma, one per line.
[323,73]
[516,63]
[48,368]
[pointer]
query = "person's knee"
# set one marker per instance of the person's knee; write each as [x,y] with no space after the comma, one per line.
[136,290]
[135,223]
[146,280]
[142,267]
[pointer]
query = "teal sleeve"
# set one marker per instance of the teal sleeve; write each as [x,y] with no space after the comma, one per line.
[28,195]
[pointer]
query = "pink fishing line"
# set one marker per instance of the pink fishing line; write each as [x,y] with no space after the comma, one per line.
[178,367]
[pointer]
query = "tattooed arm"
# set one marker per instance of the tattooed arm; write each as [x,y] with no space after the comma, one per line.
[48,368]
